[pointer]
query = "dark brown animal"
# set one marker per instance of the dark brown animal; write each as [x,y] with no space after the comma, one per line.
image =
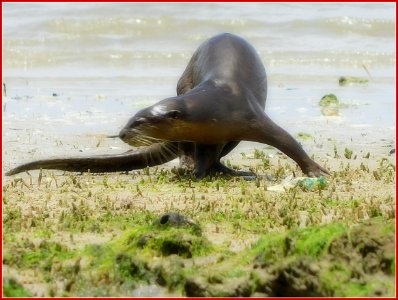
[220,101]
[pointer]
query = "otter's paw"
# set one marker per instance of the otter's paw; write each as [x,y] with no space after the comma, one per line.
[315,170]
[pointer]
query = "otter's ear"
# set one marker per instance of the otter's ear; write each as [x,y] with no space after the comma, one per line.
[174,114]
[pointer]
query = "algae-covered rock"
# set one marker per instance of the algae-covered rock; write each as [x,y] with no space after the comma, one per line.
[332,260]
[180,244]
[297,278]
[329,100]
[128,267]
[186,242]
[346,80]
[329,105]
[196,287]
[170,272]
[233,287]
[172,242]
[176,220]
[375,243]
[170,234]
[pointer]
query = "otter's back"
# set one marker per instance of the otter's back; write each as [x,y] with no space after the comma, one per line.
[229,58]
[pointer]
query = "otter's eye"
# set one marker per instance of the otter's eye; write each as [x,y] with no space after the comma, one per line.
[138,122]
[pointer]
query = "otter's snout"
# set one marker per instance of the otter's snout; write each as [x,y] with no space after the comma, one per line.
[123,134]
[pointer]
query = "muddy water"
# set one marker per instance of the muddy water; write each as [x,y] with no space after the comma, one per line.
[74,73]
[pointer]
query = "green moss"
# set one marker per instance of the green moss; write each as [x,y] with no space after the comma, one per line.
[269,247]
[104,259]
[11,288]
[236,273]
[333,276]
[44,233]
[352,289]
[386,227]
[313,241]
[128,267]
[172,273]
[338,279]
[183,241]
[27,255]
[127,259]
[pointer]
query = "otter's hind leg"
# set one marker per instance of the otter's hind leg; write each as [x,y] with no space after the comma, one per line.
[205,158]
[207,161]
[220,168]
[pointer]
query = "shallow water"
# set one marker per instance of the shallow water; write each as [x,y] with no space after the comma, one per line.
[76,72]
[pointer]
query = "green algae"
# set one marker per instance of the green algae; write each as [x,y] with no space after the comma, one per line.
[186,243]
[314,257]
[330,105]
[348,153]
[328,254]
[313,241]
[25,254]
[11,288]
[215,257]
[329,100]
[347,80]
[128,259]
[305,136]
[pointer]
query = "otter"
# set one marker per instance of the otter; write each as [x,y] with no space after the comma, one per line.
[220,101]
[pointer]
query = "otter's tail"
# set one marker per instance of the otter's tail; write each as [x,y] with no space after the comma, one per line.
[149,156]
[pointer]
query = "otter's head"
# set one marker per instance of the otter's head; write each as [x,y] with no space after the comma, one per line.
[153,124]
